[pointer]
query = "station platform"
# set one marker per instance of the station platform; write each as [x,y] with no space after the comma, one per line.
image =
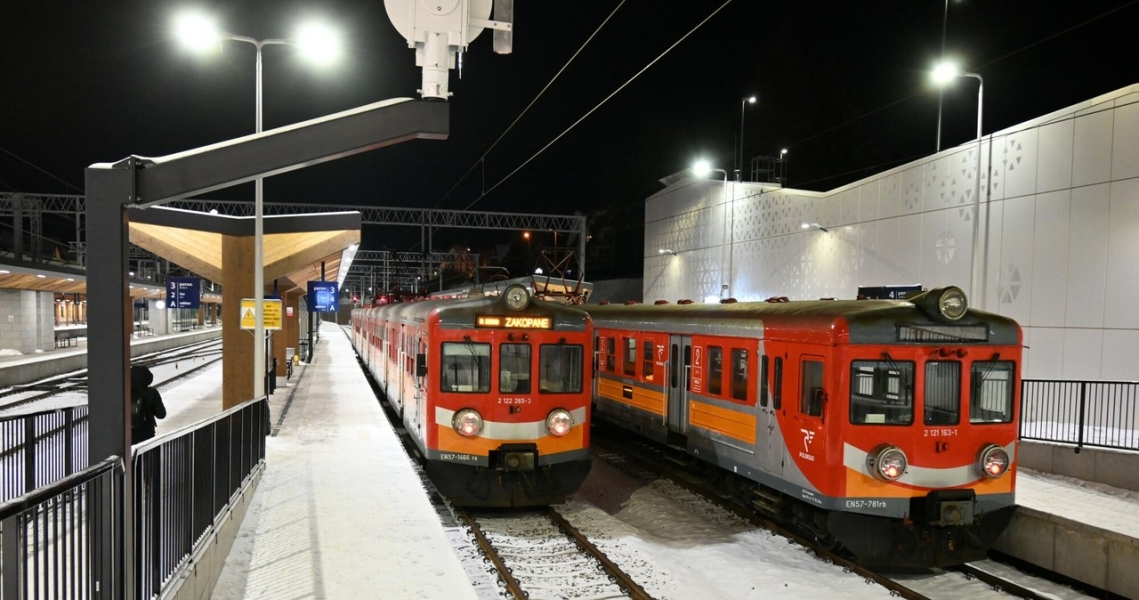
[340,511]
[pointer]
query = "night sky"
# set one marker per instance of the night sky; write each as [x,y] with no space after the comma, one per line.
[841,85]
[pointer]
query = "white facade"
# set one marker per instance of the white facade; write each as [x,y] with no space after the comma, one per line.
[1058,241]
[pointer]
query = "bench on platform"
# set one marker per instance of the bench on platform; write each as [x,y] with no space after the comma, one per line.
[65,338]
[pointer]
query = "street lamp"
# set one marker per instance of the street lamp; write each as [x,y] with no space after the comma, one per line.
[944,73]
[198,32]
[740,165]
[702,168]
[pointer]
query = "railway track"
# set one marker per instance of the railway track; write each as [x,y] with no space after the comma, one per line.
[645,461]
[538,554]
[27,394]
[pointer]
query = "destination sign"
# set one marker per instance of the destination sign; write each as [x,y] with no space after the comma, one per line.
[508,322]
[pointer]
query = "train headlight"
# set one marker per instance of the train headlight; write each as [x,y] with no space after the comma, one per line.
[468,422]
[560,422]
[993,461]
[887,463]
[516,297]
[943,304]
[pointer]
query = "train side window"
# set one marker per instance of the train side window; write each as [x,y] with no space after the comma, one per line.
[647,360]
[687,371]
[610,354]
[715,370]
[672,367]
[560,368]
[739,374]
[942,393]
[811,393]
[881,392]
[629,356]
[763,387]
[991,396]
[777,395]
[465,367]
[514,368]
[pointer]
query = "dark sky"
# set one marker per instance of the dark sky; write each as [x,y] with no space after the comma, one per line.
[842,86]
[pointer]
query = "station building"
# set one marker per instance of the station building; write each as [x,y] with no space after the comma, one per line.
[1057,239]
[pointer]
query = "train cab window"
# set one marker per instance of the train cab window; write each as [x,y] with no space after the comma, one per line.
[942,393]
[881,392]
[811,396]
[465,367]
[715,370]
[763,387]
[647,360]
[739,374]
[560,368]
[610,354]
[991,394]
[777,385]
[514,368]
[629,361]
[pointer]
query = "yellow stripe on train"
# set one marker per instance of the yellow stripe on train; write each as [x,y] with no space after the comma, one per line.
[650,401]
[736,425]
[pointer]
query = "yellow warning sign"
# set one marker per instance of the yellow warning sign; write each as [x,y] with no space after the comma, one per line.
[272,318]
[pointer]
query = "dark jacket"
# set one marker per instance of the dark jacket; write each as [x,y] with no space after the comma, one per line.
[146,405]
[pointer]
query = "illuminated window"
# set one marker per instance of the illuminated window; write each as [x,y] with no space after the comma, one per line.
[739,374]
[629,365]
[466,367]
[610,354]
[647,360]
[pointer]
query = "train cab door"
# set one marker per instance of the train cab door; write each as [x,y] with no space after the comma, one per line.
[679,375]
[769,438]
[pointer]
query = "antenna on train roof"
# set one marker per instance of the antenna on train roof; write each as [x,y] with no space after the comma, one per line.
[441,30]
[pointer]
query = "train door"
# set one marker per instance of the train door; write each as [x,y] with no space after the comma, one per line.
[769,438]
[807,441]
[679,375]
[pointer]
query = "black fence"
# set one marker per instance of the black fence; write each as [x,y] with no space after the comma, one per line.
[1085,413]
[39,449]
[63,540]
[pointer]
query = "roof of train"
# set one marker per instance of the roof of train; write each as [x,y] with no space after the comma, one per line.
[463,311]
[866,321]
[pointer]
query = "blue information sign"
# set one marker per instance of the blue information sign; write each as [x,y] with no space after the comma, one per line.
[323,296]
[887,292]
[183,292]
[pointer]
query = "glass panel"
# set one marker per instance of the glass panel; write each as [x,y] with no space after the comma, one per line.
[514,368]
[629,365]
[466,367]
[672,367]
[942,393]
[560,368]
[647,360]
[715,370]
[610,354]
[739,374]
[992,393]
[777,398]
[811,393]
[763,387]
[881,392]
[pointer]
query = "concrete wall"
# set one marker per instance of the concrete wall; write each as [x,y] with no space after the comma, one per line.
[1112,467]
[1058,236]
[27,321]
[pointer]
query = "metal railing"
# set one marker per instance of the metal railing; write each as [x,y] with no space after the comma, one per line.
[64,540]
[41,448]
[1084,413]
[54,541]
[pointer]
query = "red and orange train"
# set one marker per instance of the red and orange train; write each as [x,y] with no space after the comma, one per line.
[888,427]
[494,391]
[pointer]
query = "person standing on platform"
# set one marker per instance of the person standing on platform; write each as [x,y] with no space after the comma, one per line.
[146,405]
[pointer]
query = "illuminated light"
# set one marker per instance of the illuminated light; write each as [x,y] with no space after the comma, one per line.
[41,276]
[711,299]
[993,461]
[945,72]
[516,297]
[559,423]
[318,42]
[887,463]
[467,422]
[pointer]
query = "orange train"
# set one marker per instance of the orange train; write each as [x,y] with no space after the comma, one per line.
[494,391]
[886,427]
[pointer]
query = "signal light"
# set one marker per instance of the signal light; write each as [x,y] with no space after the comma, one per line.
[993,461]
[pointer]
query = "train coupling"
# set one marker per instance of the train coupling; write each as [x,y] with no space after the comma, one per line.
[515,457]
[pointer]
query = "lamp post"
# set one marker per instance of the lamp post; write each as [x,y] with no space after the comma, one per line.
[702,168]
[943,74]
[740,164]
[199,32]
